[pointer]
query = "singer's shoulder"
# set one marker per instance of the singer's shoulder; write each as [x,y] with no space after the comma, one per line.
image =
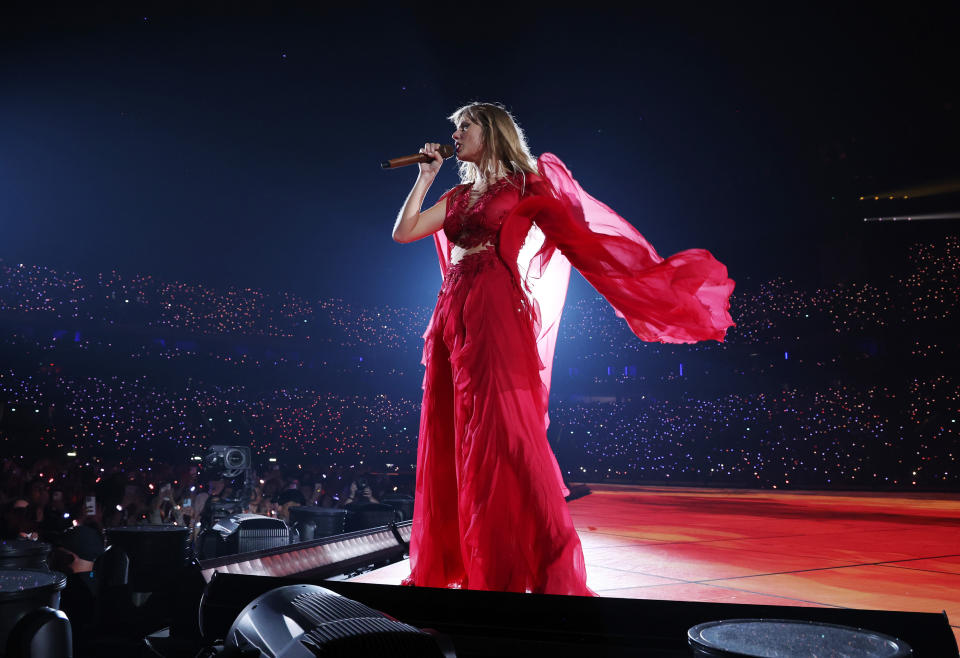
[453,190]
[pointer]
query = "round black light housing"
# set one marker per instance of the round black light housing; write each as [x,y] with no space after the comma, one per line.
[307,620]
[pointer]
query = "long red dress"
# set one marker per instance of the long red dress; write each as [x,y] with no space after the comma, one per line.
[489,510]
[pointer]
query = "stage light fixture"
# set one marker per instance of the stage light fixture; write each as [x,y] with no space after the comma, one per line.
[308,621]
[146,554]
[315,522]
[23,554]
[326,557]
[403,505]
[242,533]
[369,515]
[31,626]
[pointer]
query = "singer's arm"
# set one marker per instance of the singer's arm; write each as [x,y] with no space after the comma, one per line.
[412,224]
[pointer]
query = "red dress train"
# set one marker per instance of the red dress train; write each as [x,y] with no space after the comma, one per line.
[489,510]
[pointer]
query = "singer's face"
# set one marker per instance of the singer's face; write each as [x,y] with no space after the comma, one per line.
[467,139]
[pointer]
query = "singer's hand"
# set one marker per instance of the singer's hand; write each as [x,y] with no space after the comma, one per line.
[431,168]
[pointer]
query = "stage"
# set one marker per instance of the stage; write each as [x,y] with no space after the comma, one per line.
[884,551]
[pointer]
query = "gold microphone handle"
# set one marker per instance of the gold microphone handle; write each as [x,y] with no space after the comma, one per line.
[446,150]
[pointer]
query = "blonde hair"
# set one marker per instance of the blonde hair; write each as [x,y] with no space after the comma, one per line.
[505,149]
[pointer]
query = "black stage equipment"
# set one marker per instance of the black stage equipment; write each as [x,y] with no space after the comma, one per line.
[361,516]
[242,533]
[230,463]
[31,626]
[505,624]
[320,558]
[309,621]
[402,504]
[229,459]
[790,637]
[143,576]
[24,554]
[314,522]
[144,555]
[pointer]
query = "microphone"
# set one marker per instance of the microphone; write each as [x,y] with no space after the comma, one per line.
[446,150]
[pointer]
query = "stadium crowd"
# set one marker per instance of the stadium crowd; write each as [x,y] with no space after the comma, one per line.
[817,425]
[927,289]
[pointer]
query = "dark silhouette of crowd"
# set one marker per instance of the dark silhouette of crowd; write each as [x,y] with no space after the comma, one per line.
[43,499]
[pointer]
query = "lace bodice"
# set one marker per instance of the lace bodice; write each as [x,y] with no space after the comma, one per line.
[472,226]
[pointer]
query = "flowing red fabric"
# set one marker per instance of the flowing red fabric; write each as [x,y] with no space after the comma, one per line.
[489,511]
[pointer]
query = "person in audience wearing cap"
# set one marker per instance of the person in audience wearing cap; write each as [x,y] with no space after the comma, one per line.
[285,500]
[74,554]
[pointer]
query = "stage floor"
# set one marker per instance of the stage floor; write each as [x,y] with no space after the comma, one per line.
[850,550]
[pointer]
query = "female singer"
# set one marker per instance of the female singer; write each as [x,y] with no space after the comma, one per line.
[489,511]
